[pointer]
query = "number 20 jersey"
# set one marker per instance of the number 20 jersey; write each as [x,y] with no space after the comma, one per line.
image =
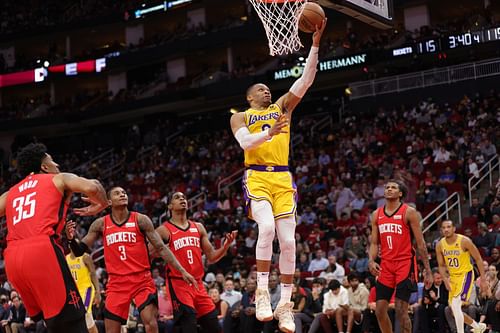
[125,247]
[394,234]
[185,244]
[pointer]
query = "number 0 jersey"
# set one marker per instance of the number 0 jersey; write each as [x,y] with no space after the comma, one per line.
[394,234]
[185,244]
[35,207]
[457,260]
[125,248]
[274,151]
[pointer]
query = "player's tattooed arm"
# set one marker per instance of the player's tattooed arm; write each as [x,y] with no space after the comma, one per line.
[3,203]
[414,219]
[165,236]
[79,247]
[146,226]
[215,255]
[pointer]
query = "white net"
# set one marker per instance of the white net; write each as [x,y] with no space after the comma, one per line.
[281,22]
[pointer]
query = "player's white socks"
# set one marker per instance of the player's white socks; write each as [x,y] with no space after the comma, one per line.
[263,280]
[286,293]
[456,308]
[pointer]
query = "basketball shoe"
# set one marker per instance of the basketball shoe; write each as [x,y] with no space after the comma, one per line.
[284,315]
[480,329]
[263,310]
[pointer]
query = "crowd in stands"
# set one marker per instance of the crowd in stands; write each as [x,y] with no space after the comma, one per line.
[340,172]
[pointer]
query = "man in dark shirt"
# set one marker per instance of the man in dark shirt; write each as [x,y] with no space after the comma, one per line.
[18,312]
[433,304]
[485,239]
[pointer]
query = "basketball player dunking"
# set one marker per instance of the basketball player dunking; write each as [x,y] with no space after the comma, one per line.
[187,240]
[126,257]
[453,253]
[263,132]
[36,209]
[392,228]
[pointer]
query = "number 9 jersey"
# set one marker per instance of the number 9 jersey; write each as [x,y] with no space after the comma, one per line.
[185,244]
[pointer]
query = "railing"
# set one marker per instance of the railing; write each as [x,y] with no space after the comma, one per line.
[320,124]
[488,169]
[428,78]
[229,180]
[451,202]
[197,200]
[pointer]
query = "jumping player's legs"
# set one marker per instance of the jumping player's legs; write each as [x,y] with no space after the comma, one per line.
[148,316]
[262,213]
[285,228]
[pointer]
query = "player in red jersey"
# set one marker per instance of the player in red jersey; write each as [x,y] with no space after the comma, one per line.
[392,229]
[126,257]
[187,240]
[35,264]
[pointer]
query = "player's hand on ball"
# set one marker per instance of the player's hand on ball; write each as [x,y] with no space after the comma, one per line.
[278,126]
[319,31]
[70,229]
[374,268]
[189,279]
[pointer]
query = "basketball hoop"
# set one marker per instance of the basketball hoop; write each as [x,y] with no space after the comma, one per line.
[281,22]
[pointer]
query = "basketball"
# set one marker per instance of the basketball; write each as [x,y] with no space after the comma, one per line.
[311,17]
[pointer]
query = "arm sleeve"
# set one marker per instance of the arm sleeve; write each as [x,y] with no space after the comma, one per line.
[78,247]
[249,141]
[300,86]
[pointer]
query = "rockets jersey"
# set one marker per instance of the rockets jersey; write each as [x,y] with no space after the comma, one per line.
[275,150]
[185,244]
[125,247]
[35,207]
[395,234]
[457,260]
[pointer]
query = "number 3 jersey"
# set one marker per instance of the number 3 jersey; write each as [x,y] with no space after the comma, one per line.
[394,234]
[185,244]
[35,207]
[125,247]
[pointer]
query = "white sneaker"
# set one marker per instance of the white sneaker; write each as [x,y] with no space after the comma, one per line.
[284,315]
[481,329]
[263,310]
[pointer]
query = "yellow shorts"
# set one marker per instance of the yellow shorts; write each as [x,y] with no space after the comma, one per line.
[461,286]
[278,188]
[87,295]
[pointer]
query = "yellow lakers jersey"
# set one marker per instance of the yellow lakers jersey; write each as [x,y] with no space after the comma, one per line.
[457,260]
[274,151]
[80,272]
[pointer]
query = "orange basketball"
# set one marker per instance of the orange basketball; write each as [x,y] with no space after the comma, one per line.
[311,17]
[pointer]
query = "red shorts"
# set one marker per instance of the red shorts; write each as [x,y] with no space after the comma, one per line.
[37,269]
[394,272]
[186,298]
[122,289]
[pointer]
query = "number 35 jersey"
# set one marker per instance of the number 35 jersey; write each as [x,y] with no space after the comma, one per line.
[34,207]
[394,234]
[185,244]
[125,247]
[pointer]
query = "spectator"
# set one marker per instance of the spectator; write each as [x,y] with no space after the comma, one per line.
[485,239]
[447,177]
[159,281]
[308,217]
[358,302]
[342,198]
[210,203]
[4,313]
[488,149]
[313,306]
[333,271]
[474,208]
[303,262]
[435,300]
[230,295]
[323,159]
[472,169]
[298,299]
[358,202]
[319,263]
[274,290]
[441,155]
[360,263]
[18,315]
[484,215]
[165,311]
[221,306]
[335,303]
[495,258]
[437,194]
[378,192]
[250,242]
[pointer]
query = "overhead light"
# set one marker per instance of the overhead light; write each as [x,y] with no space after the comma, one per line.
[46,64]
[233,110]
[244,18]
[348,91]
[301,58]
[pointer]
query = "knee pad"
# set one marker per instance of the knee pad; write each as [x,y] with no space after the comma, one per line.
[286,235]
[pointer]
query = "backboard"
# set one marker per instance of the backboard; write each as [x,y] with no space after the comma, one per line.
[377,13]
